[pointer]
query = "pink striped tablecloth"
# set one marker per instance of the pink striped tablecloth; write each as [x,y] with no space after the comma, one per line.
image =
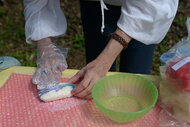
[20,107]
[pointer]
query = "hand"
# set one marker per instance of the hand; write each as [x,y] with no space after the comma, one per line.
[87,77]
[50,63]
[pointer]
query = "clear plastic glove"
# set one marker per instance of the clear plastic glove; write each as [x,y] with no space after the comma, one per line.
[50,63]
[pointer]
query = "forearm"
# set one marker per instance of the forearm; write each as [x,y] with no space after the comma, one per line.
[44,46]
[43,41]
[113,49]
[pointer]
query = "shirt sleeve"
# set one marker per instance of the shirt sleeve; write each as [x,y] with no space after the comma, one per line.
[147,21]
[44,18]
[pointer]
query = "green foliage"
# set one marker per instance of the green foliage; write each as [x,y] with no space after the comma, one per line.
[2,12]
[78,41]
[12,36]
[180,21]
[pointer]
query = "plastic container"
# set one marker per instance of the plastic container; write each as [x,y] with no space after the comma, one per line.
[124,97]
[7,61]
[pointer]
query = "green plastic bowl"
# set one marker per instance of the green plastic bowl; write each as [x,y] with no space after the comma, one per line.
[124,97]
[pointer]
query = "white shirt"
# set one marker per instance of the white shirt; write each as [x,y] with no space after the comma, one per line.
[147,21]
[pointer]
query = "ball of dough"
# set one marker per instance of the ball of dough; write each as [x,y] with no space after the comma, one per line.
[60,91]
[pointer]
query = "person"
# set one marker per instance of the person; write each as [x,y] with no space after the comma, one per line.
[130,28]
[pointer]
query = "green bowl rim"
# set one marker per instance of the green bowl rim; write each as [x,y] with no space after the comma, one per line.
[138,112]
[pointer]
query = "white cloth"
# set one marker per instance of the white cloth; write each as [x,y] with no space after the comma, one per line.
[44,18]
[103,6]
[147,21]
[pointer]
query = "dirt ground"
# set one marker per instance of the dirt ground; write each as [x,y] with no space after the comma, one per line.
[12,37]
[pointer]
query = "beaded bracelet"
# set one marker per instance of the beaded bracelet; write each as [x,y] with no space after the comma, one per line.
[119,39]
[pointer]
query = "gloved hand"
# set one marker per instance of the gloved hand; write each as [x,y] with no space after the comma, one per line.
[50,63]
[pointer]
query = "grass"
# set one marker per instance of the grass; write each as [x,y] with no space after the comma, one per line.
[12,36]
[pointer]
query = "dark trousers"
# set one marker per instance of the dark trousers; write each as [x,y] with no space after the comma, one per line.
[137,58]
